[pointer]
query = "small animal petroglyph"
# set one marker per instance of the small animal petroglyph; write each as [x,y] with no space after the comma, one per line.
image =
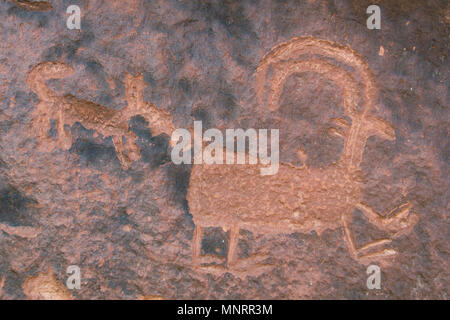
[67,109]
[299,199]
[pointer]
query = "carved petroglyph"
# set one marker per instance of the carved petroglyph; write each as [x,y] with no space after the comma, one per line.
[33,5]
[150,297]
[299,199]
[20,231]
[2,283]
[66,110]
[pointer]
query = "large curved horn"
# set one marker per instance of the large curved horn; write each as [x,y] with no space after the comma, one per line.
[281,59]
[348,85]
[286,59]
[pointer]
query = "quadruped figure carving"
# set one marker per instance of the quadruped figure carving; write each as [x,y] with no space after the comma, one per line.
[299,199]
[67,109]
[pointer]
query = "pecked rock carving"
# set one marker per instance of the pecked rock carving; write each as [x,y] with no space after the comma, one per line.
[33,5]
[67,110]
[20,231]
[299,199]
[2,283]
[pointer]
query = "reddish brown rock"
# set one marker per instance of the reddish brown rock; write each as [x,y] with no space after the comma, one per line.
[85,171]
[45,287]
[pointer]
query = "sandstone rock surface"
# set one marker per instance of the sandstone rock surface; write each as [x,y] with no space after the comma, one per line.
[86,177]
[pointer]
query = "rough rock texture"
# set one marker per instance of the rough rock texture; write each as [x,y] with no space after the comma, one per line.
[86,177]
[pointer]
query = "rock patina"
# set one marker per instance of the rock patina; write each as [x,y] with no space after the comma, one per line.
[86,177]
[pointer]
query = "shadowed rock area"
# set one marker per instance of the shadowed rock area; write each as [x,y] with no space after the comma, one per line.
[86,176]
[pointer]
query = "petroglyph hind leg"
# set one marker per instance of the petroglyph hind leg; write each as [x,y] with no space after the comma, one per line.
[215,265]
[232,246]
[198,260]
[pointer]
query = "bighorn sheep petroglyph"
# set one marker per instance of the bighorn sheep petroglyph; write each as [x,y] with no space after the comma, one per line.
[299,199]
[68,109]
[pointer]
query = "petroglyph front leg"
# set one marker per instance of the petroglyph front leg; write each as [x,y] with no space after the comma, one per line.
[120,151]
[40,126]
[64,137]
[160,121]
[302,156]
[343,128]
[197,245]
[365,252]
[398,221]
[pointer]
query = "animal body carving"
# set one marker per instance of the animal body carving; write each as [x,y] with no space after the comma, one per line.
[67,110]
[299,199]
